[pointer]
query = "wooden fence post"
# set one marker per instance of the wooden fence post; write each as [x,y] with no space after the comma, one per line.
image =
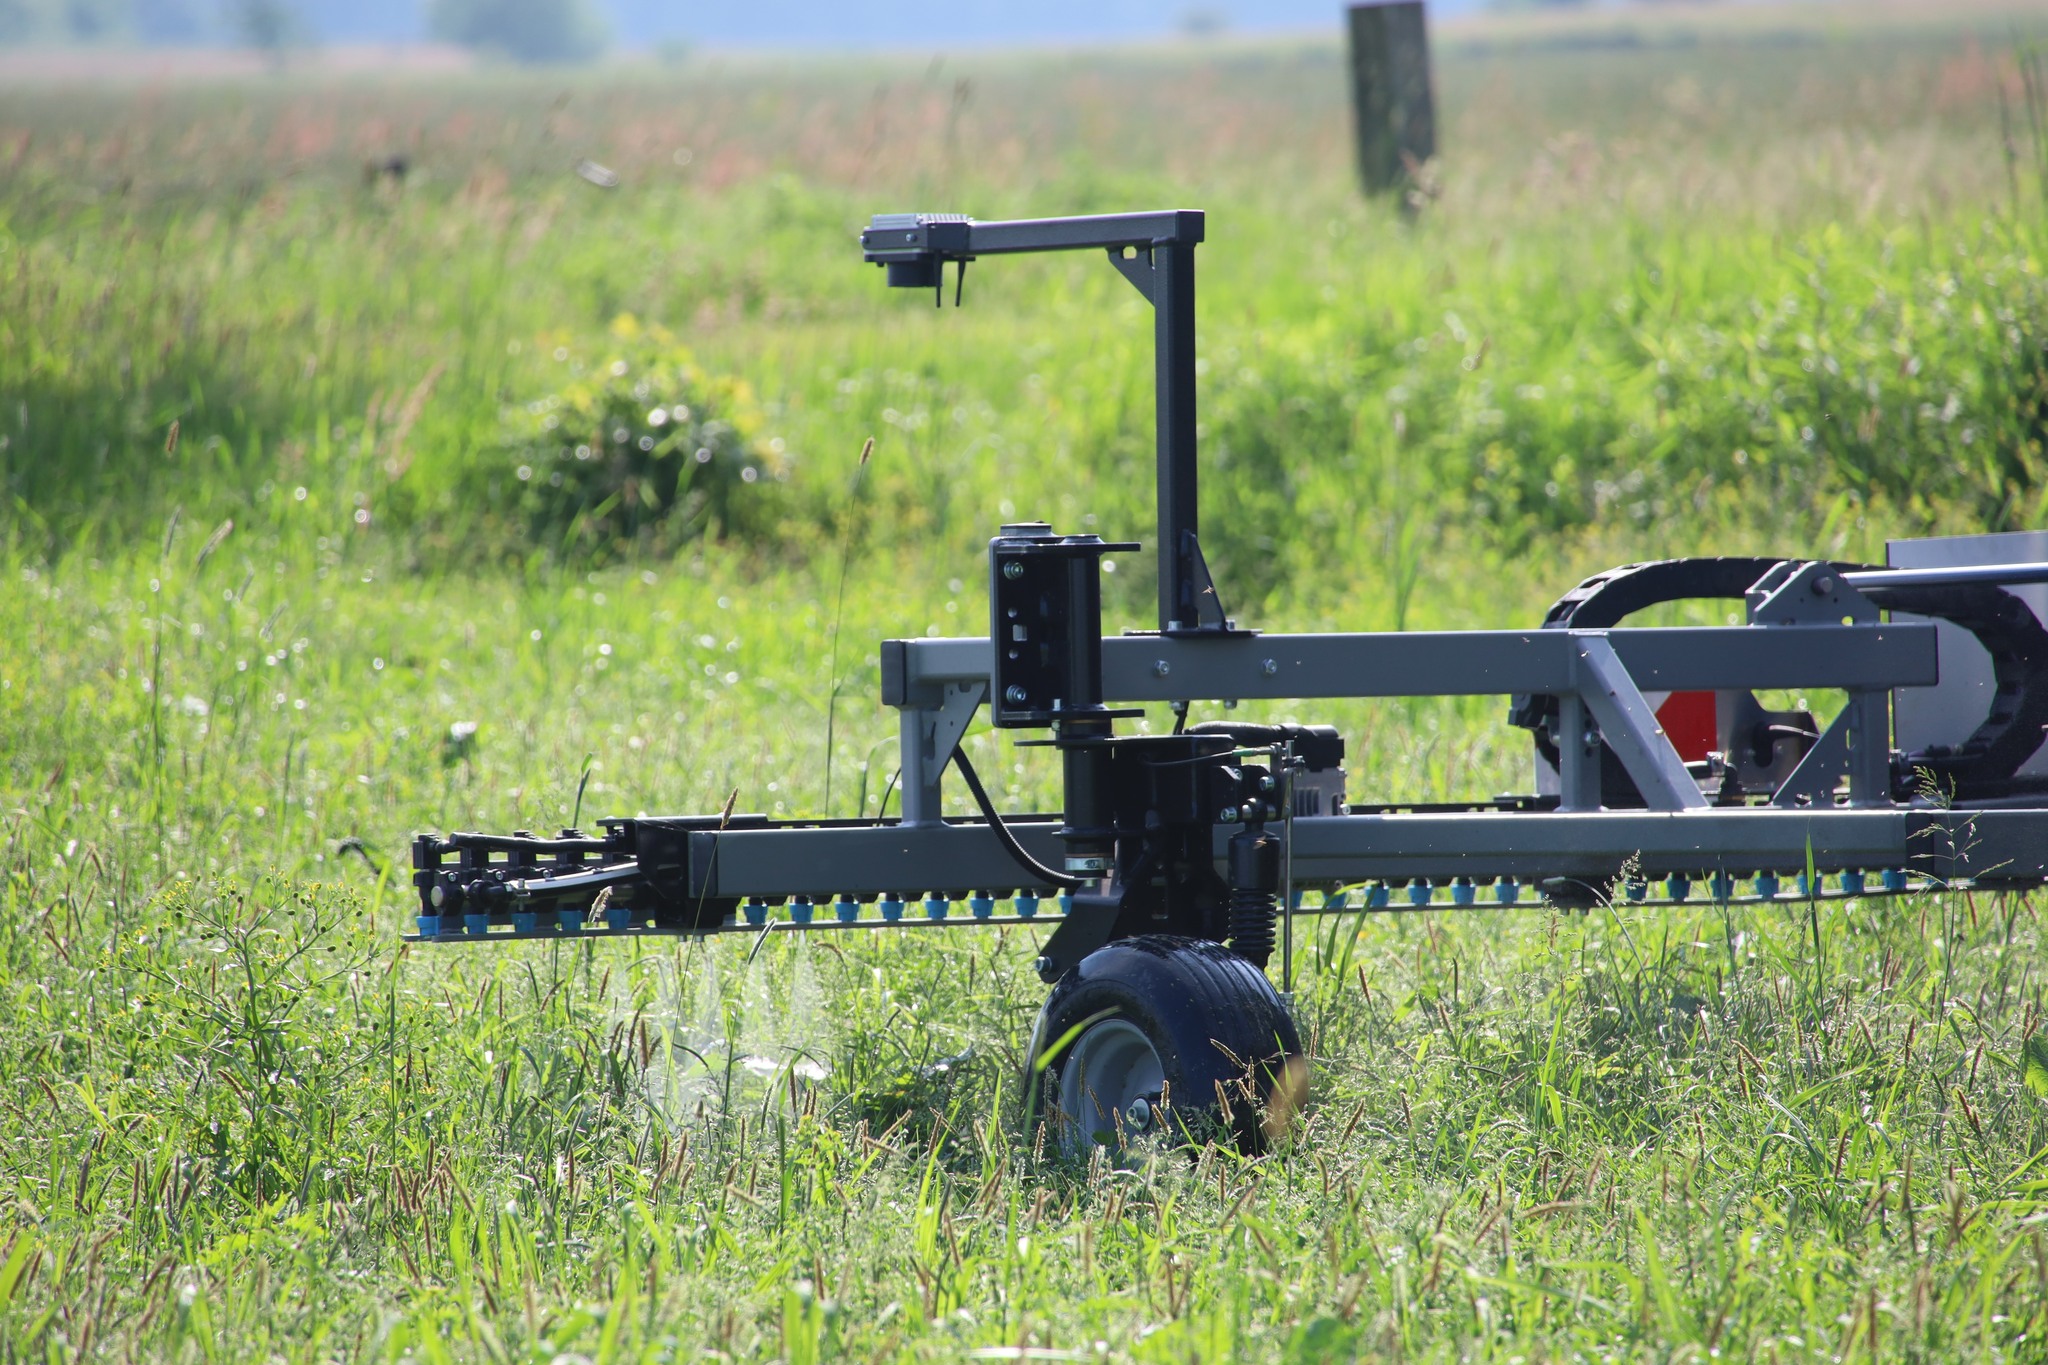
[1390,94]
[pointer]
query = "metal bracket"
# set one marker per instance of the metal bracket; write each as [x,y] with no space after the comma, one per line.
[1811,594]
[948,723]
[1136,267]
[1205,604]
[1090,920]
[927,737]
[1856,744]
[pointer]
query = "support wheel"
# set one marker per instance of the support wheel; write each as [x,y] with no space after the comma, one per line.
[1178,1039]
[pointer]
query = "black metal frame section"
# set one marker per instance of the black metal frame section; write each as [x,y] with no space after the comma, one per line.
[1156,253]
[689,875]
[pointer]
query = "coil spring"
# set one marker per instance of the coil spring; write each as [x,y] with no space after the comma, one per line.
[1252,914]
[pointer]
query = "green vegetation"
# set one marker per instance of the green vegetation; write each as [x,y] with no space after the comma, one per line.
[1737,295]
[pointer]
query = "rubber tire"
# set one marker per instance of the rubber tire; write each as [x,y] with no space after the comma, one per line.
[1199,1005]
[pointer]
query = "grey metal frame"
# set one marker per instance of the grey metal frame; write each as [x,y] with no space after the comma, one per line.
[1981,846]
[1600,675]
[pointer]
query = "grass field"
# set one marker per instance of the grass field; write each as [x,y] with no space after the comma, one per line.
[1768,285]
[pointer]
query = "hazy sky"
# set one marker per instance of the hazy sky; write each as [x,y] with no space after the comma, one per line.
[919,23]
[916,24]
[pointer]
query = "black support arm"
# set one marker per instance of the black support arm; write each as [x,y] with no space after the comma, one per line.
[1156,253]
[896,238]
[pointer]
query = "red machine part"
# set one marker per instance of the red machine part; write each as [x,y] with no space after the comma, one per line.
[1689,723]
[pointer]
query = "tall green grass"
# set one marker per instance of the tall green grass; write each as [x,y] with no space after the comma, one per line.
[1674,290]
[242,1121]
[239,1121]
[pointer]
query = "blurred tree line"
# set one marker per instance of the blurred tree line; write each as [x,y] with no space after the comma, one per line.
[523,30]
[529,31]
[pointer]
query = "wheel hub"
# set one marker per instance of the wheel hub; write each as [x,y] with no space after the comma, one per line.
[1111,1086]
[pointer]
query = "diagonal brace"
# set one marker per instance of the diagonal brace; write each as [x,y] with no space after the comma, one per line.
[1630,727]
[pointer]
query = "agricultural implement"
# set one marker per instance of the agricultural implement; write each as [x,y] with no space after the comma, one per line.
[1179,861]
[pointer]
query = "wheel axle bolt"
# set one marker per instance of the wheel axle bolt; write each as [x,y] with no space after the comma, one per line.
[1139,1115]
[1015,694]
